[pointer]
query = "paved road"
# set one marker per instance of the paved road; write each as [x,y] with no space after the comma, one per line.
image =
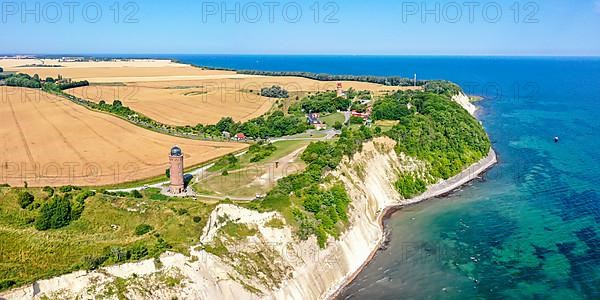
[329,134]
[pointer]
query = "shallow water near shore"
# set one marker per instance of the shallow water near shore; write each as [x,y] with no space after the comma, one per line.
[531,229]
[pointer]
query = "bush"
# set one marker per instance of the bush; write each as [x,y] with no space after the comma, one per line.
[25,199]
[55,213]
[142,229]
[261,151]
[91,262]
[197,219]
[116,254]
[138,251]
[68,188]
[357,120]
[338,125]
[274,92]
[227,162]
[81,197]
[136,194]
[409,186]
[49,191]
[6,284]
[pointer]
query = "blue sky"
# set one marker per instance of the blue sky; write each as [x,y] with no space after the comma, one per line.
[549,27]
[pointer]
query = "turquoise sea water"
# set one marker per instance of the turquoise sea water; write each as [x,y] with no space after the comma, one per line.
[531,229]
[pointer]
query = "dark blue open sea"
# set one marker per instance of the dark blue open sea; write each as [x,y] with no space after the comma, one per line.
[531,230]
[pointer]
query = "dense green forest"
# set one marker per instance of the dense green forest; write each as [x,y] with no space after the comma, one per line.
[435,129]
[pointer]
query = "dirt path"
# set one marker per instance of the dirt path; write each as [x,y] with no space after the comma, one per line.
[280,168]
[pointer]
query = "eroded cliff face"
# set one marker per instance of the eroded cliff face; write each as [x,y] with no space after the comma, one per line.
[369,180]
[313,273]
[465,102]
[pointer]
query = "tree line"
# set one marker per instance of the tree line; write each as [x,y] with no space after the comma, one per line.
[276,124]
[49,84]
[384,80]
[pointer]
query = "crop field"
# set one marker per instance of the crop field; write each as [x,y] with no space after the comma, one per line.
[129,71]
[181,106]
[46,140]
[233,81]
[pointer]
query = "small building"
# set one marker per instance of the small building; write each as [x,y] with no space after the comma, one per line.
[226,134]
[313,119]
[365,116]
[240,137]
[340,90]
[72,59]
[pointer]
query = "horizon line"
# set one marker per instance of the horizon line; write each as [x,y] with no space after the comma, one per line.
[310,54]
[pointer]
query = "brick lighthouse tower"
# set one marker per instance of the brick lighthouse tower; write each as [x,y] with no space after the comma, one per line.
[176,169]
[340,90]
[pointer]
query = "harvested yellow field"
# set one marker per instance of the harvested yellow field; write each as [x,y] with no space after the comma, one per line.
[128,71]
[181,106]
[252,82]
[45,140]
[180,94]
